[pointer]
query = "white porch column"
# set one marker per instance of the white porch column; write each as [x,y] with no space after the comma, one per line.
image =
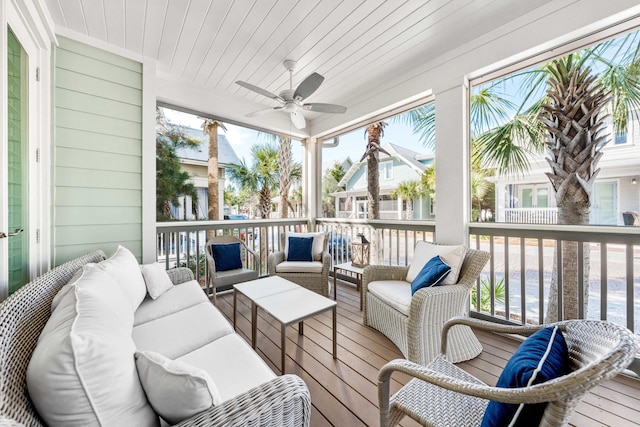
[399,207]
[312,182]
[452,171]
[148,161]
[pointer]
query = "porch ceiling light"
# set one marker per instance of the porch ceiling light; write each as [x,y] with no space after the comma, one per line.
[360,251]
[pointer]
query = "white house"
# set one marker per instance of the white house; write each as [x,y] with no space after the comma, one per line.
[530,198]
[402,164]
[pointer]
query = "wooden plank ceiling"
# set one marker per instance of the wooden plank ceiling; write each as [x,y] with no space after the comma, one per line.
[354,44]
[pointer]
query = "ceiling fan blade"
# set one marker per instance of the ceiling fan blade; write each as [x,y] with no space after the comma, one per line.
[308,86]
[324,108]
[298,120]
[262,112]
[259,90]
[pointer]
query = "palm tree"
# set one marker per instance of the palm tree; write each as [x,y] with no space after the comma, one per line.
[261,176]
[172,181]
[408,191]
[375,131]
[570,114]
[210,127]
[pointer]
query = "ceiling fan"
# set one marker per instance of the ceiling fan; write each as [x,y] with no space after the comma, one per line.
[292,100]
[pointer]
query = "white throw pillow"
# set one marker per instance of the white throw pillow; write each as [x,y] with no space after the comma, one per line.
[156,278]
[316,249]
[82,371]
[124,267]
[66,288]
[176,390]
[453,255]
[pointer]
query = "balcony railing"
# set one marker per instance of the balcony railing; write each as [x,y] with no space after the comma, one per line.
[523,259]
[181,243]
[531,215]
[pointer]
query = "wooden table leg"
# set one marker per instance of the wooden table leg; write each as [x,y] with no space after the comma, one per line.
[235,298]
[254,323]
[283,340]
[335,332]
[359,283]
[300,328]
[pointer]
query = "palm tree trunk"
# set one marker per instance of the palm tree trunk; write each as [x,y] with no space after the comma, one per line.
[212,169]
[284,175]
[373,185]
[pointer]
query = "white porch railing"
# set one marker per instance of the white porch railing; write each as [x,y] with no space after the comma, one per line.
[531,215]
[522,259]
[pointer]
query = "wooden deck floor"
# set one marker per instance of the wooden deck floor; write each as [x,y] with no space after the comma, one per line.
[344,391]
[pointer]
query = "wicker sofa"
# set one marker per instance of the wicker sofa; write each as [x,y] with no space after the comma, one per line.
[416,330]
[272,400]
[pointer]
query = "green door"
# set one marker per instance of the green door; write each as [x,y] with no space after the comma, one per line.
[16,193]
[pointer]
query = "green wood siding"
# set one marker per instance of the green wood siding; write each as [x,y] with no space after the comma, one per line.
[97,151]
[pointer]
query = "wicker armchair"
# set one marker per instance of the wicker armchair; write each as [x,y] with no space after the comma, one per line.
[223,280]
[442,394]
[418,334]
[316,282]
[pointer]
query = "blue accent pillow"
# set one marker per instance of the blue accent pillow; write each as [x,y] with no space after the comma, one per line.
[540,358]
[432,274]
[226,256]
[300,249]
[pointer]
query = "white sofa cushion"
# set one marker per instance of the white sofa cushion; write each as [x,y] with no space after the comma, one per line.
[232,365]
[82,371]
[396,293]
[452,255]
[316,249]
[178,298]
[176,390]
[299,267]
[156,279]
[124,267]
[182,332]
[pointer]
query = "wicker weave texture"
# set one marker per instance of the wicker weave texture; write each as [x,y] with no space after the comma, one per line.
[316,282]
[284,401]
[598,351]
[22,317]
[418,336]
[180,275]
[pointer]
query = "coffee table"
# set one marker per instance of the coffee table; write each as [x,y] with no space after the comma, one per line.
[346,266]
[287,302]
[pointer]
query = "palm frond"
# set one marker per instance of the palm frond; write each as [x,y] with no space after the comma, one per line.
[488,109]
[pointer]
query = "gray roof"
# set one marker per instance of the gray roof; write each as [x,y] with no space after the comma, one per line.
[226,155]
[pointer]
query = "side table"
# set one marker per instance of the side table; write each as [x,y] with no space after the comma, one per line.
[357,271]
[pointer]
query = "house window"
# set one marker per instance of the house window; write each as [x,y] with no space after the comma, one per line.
[386,170]
[620,138]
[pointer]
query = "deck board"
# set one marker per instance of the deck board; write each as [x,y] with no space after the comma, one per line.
[344,391]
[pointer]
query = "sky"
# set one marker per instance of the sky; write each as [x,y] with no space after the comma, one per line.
[351,145]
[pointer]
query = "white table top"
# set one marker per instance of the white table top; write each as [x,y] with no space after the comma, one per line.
[284,300]
[348,267]
[256,289]
[295,305]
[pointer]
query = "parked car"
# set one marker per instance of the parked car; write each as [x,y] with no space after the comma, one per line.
[244,232]
[339,246]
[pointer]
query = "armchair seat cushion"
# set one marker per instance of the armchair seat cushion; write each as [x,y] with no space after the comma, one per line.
[299,267]
[396,293]
[231,277]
